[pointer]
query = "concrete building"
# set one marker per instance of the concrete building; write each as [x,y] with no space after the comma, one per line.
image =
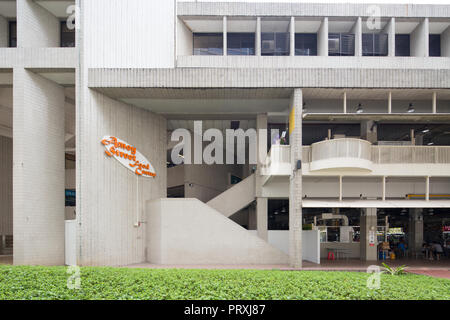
[360,95]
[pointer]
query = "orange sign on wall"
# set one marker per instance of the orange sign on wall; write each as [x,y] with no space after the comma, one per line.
[128,156]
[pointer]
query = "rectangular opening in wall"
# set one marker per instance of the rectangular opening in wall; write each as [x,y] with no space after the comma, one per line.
[306,44]
[402,45]
[12,34]
[240,43]
[67,35]
[208,44]
[434,45]
[275,40]
[374,44]
[341,44]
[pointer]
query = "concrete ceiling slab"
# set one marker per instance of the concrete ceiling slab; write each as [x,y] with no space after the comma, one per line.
[56,7]
[8,8]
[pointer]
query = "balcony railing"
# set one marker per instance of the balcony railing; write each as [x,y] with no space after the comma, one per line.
[410,154]
[348,153]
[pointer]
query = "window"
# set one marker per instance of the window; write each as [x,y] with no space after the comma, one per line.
[274,44]
[341,44]
[67,35]
[402,46]
[12,34]
[240,44]
[434,45]
[208,44]
[306,44]
[374,44]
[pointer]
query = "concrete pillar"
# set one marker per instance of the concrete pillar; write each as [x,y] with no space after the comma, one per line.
[295,181]
[292,37]
[390,30]
[445,43]
[415,229]
[390,102]
[258,37]
[357,30]
[419,40]
[369,131]
[4,36]
[36,27]
[261,218]
[225,38]
[38,170]
[368,239]
[344,99]
[434,102]
[252,217]
[322,38]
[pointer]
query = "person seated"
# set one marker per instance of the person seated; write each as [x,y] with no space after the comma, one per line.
[437,249]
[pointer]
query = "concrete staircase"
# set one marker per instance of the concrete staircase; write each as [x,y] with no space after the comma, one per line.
[236,198]
[188,231]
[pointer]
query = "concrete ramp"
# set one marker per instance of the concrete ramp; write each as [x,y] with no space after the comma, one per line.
[236,198]
[187,231]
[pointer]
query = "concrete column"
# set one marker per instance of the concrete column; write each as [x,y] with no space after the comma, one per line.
[415,229]
[369,131]
[322,38]
[419,40]
[434,103]
[390,102]
[36,27]
[258,37]
[38,170]
[390,30]
[292,37]
[261,218]
[295,181]
[252,217]
[357,30]
[368,229]
[344,102]
[225,40]
[4,36]
[445,43]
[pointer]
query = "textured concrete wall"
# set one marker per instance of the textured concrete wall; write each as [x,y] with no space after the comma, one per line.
[111,198]
[184,39]
[445,43]
[6,186]
[129,33]
[295,180]
[308,9]
[187,231]
[4,27]
[38,170]
[36,27]
[270,78]
[419,39]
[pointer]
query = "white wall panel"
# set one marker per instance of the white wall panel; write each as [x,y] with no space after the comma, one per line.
[38,170]
[129,33]
[111,198]
[6,208]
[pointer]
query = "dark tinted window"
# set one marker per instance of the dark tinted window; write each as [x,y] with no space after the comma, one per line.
[67,35]
[435,45]
[341,44]
[12,34]
[374,44]
[274,43]
[306,44]
[402,46]
[240,44]
[208,43]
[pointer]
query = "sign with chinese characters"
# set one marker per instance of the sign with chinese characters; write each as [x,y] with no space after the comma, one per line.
[128,156]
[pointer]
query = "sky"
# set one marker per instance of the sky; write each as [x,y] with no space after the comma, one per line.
[337,1]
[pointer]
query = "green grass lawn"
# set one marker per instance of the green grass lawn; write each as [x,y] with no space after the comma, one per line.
[17,282]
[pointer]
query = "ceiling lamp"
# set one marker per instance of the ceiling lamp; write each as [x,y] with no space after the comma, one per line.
[411,108]
[426,130]
[430,143]
[359,109]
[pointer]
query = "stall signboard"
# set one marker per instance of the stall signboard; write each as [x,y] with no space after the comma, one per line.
[446,228]
[128,156]
[395,231]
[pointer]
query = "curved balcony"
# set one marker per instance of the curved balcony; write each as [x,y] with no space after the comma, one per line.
[341,154]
